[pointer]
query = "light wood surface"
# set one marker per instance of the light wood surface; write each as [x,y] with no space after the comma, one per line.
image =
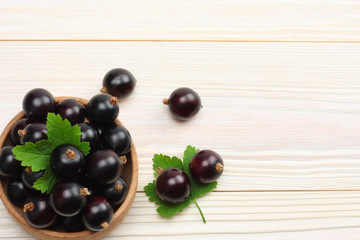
[280,86]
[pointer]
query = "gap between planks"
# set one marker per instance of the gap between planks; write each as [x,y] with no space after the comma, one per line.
[280,191]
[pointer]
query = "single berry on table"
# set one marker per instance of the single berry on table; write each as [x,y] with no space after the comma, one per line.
[68,198]
[72,110]
[173,185]
[97,214]
[37,103]
[206,166]
[17,192]
[117,139]
[19,125]
[184,103]
[9,166]
[102,109]
[91,135]
[38,212]
[116,192]
[67,161]
[119,83]
[29,177]
[33,132]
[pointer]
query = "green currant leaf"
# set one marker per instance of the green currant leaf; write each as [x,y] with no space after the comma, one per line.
[165,162]
[46,182]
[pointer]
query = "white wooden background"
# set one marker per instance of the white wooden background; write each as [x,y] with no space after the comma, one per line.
[280,85]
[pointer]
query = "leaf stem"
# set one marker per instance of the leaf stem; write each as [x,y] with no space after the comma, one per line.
[202,215]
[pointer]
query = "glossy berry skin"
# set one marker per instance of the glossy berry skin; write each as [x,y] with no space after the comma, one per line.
[34,132]
[38,212]
[67,161]
[184,103]
[73,224]
[116,192]
[117,139]
[91,135]
[97,214]
[119,83]
[19,125]
[102,109]
[103,167]
[9,166]
[206,166]
[37,103]
[68,198]
[17,192]
[72,110]
[173,185]
[29,177]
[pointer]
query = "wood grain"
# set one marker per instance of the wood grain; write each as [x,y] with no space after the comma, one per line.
[284,116]
[204,20]
[288,215]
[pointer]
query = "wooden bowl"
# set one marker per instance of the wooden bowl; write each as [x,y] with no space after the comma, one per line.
[130,174]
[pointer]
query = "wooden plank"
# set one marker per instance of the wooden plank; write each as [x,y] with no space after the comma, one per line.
[284,116]
[245,20]
[275,215]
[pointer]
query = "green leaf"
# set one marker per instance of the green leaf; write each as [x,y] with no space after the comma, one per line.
[165,162]
[34,155]
[197,189]
[61,132]
[46,182]
[164,209]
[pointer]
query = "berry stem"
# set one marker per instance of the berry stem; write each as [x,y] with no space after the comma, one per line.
[202,215]
[166,101]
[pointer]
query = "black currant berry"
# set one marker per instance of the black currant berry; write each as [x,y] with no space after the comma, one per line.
[9,166]
[68,198]
[119,83]
[183,103]
[102,109]
[91,135]
[116,192]
[173,185]
[103,167]
[17,192]
[97,214]
[19,125]
[67,161]
[72,110]
[34,132]
[38,212]
[73,224]
[117,139]
[206,166]
[37,103]
[29,177]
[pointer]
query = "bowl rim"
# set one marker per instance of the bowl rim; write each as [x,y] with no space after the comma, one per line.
[119,215]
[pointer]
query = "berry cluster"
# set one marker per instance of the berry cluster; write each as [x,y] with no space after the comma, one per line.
[90,187]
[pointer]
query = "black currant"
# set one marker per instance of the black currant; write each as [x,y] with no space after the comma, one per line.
[34,132]
[116,192]
[19,125]
[38,212]
[206,166]
[91,135]
[37,103]
[72,110]
[29,177]
[102,109]
[17,192]
[103,167]
[119,83]
[117,139]
[97,214]
[73,224]
[67,161]
[173,185]
[9,166]
[68,198]
[183,103]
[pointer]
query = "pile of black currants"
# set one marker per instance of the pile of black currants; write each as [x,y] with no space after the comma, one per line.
[90,187]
